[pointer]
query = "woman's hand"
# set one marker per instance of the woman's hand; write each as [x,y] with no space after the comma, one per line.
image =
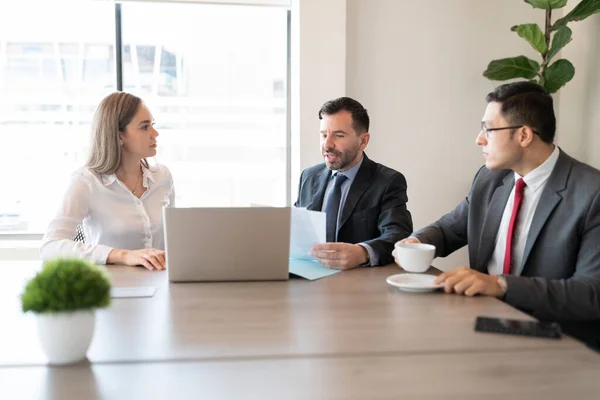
[152,259]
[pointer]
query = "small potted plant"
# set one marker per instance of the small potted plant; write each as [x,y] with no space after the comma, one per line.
[64,296]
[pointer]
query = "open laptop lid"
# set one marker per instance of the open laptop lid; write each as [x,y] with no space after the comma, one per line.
[227,244]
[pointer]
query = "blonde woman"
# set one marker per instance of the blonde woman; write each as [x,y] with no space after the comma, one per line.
[117,198]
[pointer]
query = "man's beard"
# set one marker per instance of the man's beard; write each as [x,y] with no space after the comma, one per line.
[344,159]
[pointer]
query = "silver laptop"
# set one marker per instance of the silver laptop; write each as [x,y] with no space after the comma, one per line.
[227,244]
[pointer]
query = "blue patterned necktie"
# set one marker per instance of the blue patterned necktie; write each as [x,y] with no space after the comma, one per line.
[333,207]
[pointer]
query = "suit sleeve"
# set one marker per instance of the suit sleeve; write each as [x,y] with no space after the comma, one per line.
[395,221]
[574,299]
[298,202]
[449,233]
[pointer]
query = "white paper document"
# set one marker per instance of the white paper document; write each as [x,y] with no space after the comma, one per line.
[136,291]
[307,229]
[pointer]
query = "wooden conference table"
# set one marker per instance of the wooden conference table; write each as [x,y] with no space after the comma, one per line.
[350,335]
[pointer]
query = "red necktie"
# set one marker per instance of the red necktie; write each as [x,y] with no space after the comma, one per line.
[519,189]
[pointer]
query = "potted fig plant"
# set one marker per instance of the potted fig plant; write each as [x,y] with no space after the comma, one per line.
[64,296]
[547,42]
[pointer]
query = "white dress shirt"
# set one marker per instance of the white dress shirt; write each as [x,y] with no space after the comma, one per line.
[112,217]
[535,181]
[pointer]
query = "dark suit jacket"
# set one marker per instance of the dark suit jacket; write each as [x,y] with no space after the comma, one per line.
[559,277]
[375,210]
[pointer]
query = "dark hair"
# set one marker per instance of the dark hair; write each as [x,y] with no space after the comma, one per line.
[527,103]
[360,118]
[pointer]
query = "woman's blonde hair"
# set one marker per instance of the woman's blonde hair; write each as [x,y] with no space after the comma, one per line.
[113,114]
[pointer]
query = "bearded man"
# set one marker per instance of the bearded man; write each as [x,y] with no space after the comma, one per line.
[364,202]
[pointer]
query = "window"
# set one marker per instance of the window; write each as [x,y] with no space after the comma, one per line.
[214,77]
[209,74]
[50,82]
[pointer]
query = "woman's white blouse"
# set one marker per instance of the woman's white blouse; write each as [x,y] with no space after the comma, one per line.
[111,216]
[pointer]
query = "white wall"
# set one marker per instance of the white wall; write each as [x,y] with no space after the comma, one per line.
[318,74]
[592,89]
[579,101]
[417,67]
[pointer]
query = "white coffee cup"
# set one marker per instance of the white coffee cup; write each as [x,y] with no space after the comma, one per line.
[415,257]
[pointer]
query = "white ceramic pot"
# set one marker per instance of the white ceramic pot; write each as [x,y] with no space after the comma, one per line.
[66,336]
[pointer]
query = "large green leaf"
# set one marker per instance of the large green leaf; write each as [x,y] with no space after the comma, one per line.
[534,35]
[558,74]
[547,4]
[580,12]
[560,40]
[510,68]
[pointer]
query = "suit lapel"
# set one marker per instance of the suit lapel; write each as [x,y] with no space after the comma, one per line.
[549,199]
[360,184]
[319,190]
[491,224]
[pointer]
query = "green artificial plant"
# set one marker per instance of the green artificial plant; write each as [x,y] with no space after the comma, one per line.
[66,285]
[551,75]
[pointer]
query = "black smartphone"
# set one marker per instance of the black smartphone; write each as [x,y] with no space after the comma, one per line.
[518,327]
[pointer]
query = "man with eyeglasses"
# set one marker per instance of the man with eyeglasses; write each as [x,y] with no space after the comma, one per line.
[531,218]
[364,201]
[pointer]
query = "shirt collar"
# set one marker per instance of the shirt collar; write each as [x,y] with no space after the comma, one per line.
[147,177]
[351,173]
[108,179]
[540,175]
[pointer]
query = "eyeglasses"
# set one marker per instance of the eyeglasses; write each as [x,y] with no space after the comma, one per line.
[486,131]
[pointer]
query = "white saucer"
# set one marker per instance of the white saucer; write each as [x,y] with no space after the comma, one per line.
[419,283]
